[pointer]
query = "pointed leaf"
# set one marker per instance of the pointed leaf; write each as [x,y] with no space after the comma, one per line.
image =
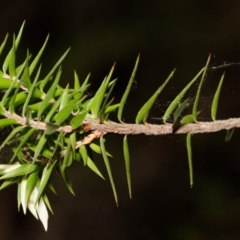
[216,99]
[3,44]
[46,79]
[77,120]
[65,112]
[94,168]
[21,171]
[107,164]
[45,178]
[195,105]
[189,152]
[127,164]
[229,134]
[49,95]
[127,91]
[30,93]
[99,96]
[67,182]
[178,98]
[144,111]
[36,60]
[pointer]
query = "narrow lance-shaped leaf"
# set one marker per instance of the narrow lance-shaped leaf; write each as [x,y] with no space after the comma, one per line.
[12,59]
[127,91]
[23,141]
[21,171]
[105,103]
[26,77]
[49,95]
[46,79]
[39,147]
[3,44]
[99,96]
[67,156]
[30,93]
[127,164]
[14,132]
[67,182]
[77,86]
[16,43]
[107,164]
[94,168]
[77,120]
[178,98]
[144,111]
[45,178]
[229,134]
[216,99]
[36,59]
[189,152]
[65,112]
[83,152]
[177,114]
[13,98]
[195,105]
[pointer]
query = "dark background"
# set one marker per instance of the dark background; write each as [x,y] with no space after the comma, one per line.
[168,34]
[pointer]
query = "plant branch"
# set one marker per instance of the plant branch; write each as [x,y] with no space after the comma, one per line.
[134,129]
[163,129]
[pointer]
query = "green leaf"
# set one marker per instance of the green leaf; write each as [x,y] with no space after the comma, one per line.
[77,86]
[7,183]
[23,141]
[64,101]
[45,178]
[11,63]
[13,98]
[127,91]
[26,77]
[30,93]
[93,167]
[53,109]
[84,154]
[187,119]
[46,79]
[67,157]
[216,99]
[67,182]
[229,134]
[3,44]
[39,147]
[45,198]
[179,97]
[107,164]
[37,58]
[111,108]
[21,171]
[49,95]
[99,96]
[13,134]
[195,105]
[105,103]
[51,128]
[144,111]
[7,122]
[189,152]
[77,120]
[65,112]
[97,149]
[127,164]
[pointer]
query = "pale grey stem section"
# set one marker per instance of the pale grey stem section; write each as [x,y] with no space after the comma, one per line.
[128,129]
